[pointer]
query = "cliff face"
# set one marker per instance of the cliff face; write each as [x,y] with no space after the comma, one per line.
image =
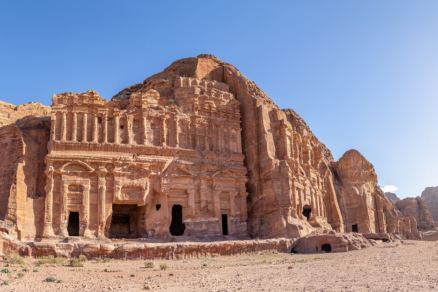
[290,180]
[10,113]
[364,206]
[430,195]
[393,197]
[416,208]
[22,178]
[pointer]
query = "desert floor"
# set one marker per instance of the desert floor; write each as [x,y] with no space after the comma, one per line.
[396,266]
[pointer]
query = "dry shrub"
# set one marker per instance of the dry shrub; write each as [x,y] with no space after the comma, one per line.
[149,264]
[51,260]
[76,263]
[14,258]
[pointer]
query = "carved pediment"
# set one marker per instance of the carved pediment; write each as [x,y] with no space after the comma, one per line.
[76,166]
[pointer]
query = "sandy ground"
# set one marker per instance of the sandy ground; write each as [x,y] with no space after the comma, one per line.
[412,266]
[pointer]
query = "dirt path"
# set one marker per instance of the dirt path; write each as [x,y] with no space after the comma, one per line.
[412,266]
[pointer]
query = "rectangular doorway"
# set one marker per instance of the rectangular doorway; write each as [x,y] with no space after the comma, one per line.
[354,228]
[124,222]
[73,224]
[224,224]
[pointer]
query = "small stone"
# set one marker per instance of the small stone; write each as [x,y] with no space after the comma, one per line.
[170,274]
[147,287]
[132,276]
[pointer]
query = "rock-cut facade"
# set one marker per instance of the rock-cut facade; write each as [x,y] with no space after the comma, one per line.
[196,150]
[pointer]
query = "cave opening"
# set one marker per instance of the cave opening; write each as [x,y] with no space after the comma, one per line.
[73,224]
[306,211]
[326,247]
[177,227]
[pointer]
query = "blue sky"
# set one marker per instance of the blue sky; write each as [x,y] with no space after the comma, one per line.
[362,74]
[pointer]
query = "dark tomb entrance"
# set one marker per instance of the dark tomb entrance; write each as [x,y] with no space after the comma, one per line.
[73,224]
[326,247]
[177,226]
[224,224]
[354,228]
[306,211]
[124,221]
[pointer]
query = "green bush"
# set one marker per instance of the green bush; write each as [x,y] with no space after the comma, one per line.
[149,264]
[20,275]
[59,281]
[98,260]
[14,258]
[82,258]
[76,263]
[5,283]
[35,271]
[51,279]
[164,266]
[106,260]
[6,271]
[25,270]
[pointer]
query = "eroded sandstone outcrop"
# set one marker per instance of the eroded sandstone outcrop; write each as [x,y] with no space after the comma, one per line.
[364,206]
[22,179]
[10,113]
[417,208]
[430,194]
[393,197]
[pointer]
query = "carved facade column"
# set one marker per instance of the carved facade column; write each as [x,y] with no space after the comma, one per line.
[145,129]
[203,196]
[74,130]
[105,128]
[163,131]
[243,209]
[95,128]
[176,131]
[189,140]
[85,222]
[48,211]
[53,127]
[129,130]
[84,127]
[239,140]
[217,204]
[116,129]
[101,201]
[232,204]
[64,211]
[191,201]
[64,127]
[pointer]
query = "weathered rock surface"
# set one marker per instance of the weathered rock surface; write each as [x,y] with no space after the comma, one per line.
[430,195]
[288,168]
[335,242]
[364,206]
[393,197]
[198,135]
[10,113]
[22,178]
[416,208]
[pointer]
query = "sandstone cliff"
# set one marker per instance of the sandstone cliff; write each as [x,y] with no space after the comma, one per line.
[393,197]
[430,195]
[22,179]
[364,206]
[290,179]
[416,208]
[9,113]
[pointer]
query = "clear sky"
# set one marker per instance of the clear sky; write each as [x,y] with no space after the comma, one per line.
[362,74]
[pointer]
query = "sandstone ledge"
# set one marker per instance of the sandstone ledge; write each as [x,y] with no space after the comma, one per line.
[339,242]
